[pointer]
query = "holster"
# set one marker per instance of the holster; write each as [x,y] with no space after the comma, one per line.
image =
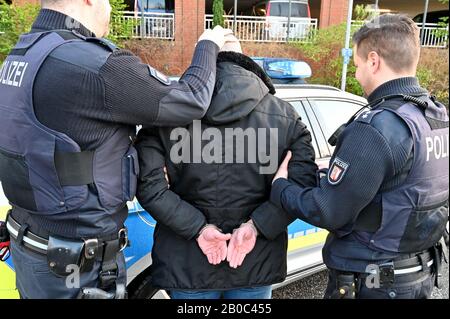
[62,253]
[439,251]
[345,286]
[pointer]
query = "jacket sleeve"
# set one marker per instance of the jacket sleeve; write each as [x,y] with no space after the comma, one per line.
[271,220]
[335,203]
[154,194]
[135,93]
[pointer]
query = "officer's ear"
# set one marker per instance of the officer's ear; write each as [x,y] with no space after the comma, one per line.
[373,61]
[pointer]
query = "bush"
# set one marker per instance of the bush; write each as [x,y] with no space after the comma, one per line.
[433,73]
[18,19]
[218,13]
[323,54]
[14,20]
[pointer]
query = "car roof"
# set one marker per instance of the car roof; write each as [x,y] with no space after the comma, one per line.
[287,91]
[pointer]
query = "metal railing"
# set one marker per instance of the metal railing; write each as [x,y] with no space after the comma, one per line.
[434,35]
[150,24]
[268,29]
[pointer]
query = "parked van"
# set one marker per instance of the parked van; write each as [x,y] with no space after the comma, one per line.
[277,16]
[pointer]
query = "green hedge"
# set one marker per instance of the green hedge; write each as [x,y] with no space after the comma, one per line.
[15,20]
[323,54]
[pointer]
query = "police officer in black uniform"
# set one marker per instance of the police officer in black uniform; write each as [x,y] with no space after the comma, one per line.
[70,103]
[384,199]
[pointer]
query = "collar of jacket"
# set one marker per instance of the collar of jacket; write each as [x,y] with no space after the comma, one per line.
[53,20]
[406,86]
[247,63]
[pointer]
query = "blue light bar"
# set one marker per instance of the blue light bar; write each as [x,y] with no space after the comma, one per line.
[284,68]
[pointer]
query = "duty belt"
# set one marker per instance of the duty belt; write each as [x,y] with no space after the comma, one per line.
[38,244]
[387,272]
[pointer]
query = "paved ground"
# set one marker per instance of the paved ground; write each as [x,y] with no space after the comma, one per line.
[314,287]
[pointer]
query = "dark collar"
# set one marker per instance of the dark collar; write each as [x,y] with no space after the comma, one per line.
[54,20]
[248,64]
[406,86]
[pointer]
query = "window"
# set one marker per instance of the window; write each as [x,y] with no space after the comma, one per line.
[331,114]
[155,5]
[281,9]
[298,106]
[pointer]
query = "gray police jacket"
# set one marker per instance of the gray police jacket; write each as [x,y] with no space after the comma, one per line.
[44,171]
[414,214]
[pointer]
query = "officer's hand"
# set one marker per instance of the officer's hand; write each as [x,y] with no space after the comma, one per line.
[213,244]
[166,175]
[283,170]
[216,35]
[242,243]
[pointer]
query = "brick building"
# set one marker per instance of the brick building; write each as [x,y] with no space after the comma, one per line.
[190,21]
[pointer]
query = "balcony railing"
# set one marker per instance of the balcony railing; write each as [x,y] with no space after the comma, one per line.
[150,24]
[269,29]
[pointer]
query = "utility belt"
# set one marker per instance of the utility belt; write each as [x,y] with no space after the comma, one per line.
[388,274]
[63,254]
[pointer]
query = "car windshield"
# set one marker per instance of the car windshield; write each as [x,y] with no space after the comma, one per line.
[148,5]
[281,9]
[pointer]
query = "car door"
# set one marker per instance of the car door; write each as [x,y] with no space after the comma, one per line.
[305,240]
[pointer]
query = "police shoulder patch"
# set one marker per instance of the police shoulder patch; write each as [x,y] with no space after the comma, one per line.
[337,171]
[159,76]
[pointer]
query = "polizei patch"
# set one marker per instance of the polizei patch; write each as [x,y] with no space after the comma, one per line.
[337,171]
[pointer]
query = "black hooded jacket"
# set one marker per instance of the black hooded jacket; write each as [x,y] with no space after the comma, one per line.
[228,190]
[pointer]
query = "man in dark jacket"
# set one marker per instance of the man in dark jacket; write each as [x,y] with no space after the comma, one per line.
[220,184]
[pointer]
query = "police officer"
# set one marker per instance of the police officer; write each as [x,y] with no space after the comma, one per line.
[384,197]
[70,103]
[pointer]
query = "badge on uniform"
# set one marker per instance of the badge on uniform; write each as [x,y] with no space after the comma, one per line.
[337,171]
[159,76]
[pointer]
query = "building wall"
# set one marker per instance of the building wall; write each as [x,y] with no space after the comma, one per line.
[333,12]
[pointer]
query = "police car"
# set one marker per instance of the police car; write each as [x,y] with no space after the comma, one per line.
[322,108]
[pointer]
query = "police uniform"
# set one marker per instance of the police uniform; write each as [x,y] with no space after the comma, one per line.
[384,199]
[70,106]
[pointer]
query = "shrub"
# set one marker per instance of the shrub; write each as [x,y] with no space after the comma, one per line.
[18,19]
[323,54]
[14,20]
[218,13]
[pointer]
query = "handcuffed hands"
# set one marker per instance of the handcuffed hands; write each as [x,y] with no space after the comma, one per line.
[242,243]
[216,35]
[213,244]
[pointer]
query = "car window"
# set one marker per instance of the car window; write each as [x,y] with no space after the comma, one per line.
[298,106]
[281,9]
[152,4]
[331,114]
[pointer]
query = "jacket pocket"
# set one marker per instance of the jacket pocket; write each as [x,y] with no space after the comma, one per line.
[130,172]
[425,227]
[14,176]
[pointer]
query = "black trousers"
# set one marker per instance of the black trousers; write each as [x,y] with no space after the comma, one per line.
[414,286]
